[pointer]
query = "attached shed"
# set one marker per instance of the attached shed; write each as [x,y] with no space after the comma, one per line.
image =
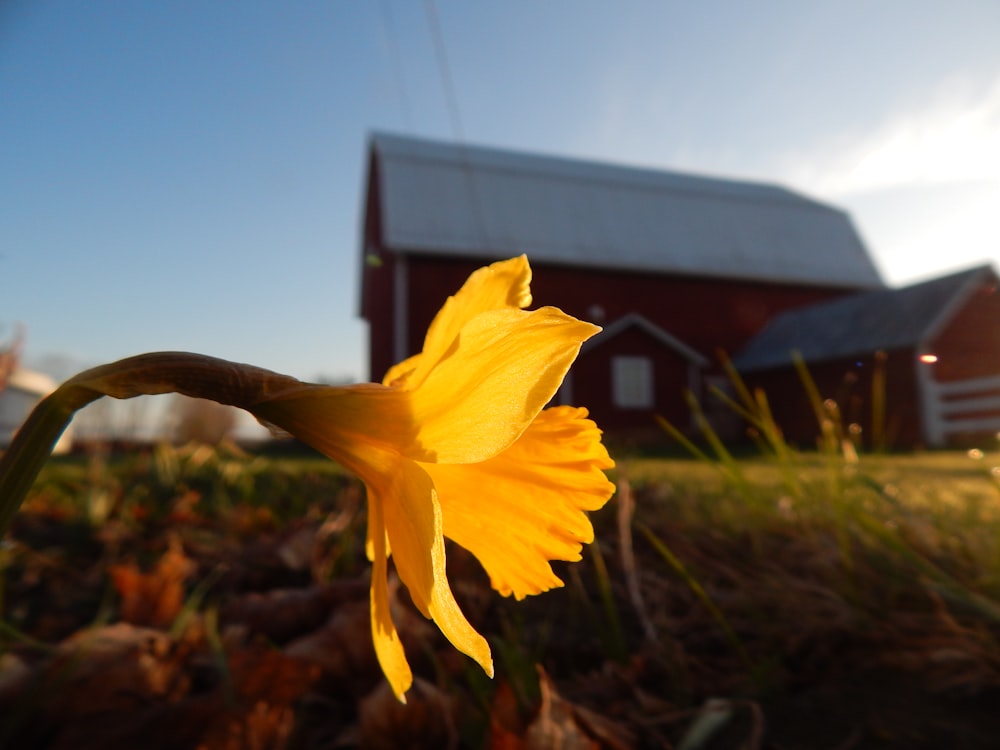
[674,266]
[640,365]
[937,344]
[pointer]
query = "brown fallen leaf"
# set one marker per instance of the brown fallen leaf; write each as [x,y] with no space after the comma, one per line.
[426,720]
[555,727]
[506,723]
[343,649]
[14,675]
[184,509]
[343,645]
[260,674]
[156,726]
[115,668]
[283,614]
[153,598]
[266,685]
[265,727]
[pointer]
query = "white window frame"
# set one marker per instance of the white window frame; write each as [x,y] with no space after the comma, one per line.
[632,382]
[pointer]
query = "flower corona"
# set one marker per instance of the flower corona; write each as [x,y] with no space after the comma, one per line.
[457,443]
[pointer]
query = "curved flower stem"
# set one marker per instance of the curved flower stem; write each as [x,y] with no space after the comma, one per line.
[194,375]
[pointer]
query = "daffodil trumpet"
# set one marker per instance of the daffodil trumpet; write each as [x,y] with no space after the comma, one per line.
[456,442]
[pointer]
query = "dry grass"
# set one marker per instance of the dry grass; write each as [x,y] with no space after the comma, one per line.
[786,600]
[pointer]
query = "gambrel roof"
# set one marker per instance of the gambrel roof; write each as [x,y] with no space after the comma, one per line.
[443,198]
[860,324]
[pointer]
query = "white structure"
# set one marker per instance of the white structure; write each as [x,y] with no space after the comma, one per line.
[24,389]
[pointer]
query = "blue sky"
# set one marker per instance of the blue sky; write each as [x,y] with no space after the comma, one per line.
[187,175]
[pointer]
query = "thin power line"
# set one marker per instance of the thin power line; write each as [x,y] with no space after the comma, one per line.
[397,64]
[434,22]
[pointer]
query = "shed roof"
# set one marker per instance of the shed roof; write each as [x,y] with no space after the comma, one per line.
[634,320]
[862,323]
[473,201]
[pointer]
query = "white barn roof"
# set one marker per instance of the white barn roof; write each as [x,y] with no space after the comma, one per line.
[465,200]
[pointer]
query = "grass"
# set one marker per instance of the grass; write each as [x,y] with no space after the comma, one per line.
[812,596]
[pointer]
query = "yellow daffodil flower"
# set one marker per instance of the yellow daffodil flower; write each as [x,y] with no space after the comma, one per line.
[456,442]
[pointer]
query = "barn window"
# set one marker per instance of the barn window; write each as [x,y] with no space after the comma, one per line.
[632,382]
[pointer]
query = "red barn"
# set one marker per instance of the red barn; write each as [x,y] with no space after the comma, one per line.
[937,345]
[673,266]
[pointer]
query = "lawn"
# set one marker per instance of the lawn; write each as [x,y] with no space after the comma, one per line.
[199,597]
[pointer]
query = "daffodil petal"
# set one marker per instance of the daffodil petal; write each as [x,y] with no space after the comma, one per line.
[370,541]
[399,374]
[502,285]
[388,647]
[524,507]
[506,366]
[335,420]
[413,522]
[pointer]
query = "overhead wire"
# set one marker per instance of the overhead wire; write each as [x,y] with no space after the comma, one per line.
[447,83]
[389,28]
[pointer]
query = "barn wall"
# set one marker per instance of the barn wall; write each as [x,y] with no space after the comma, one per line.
[371,242]
[706,314]
[848,382]
[969,345]
[592,384]
[377,298]
[379,310]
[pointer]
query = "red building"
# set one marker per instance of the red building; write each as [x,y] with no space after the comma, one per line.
[913,366]
[674,266]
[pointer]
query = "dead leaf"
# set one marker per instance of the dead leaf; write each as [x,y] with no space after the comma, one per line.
[555,727]
[266,684]
[14,675]
[113,668]
[296,551]
[506,723]
[265,727]
[343,646]
[342,649]
[612,735]
[153,598]
[283,614]
[262,674]
[185,508]
[153,726]
[426,720]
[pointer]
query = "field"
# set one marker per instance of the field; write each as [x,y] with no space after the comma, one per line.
[200,597]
